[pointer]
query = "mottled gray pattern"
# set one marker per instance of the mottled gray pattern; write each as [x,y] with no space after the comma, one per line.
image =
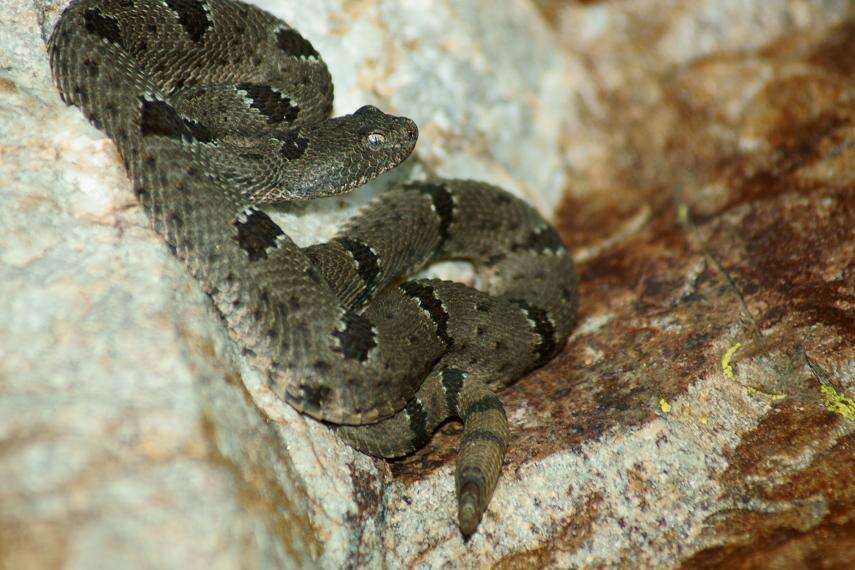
[218,109]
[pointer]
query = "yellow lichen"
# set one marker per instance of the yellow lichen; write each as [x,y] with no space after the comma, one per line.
[683,213]
[837,402]
[775,397]
[664,405]
[726,367]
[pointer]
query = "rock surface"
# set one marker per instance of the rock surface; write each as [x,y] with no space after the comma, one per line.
[705,153]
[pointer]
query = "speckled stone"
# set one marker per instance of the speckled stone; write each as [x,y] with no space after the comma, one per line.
[131,433]
[712,215]
[702,156]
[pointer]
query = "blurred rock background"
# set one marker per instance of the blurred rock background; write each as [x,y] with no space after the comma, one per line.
[697,156]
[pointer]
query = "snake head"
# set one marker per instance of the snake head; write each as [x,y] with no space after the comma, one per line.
[340,154]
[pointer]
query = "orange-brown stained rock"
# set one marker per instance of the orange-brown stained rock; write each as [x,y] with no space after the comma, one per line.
[575,532]
[801,517]
[551,9]
[739,228]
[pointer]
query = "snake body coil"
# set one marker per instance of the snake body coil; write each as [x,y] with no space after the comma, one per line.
[218,109]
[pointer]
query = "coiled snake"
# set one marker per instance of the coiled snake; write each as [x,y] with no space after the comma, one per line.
[218,109]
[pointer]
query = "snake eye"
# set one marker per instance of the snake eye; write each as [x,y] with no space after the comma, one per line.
[375,140]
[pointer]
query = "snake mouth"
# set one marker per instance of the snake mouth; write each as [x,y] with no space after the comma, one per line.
[363,180]
[320,188]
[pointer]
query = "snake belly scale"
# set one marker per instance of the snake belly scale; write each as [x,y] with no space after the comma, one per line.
[219,109]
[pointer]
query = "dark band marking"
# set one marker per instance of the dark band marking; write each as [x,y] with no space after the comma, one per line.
[452,384]
[541,240]
[91,67]
[418,423]
[192,16]
[315,396]
[474,475]
[293,145]
[487,403]
[567,293]
[102,26]
[443,205]
[480,436]
[294,44]
[429,302]
[356,338]
[269,102]
[256,234]
[159,118]
[313,276]
[367,265]
[543,328]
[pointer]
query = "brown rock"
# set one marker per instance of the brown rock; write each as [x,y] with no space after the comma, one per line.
[718,218]
[701,414]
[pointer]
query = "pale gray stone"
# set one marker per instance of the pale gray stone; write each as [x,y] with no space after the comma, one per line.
[135,435]
[132,434]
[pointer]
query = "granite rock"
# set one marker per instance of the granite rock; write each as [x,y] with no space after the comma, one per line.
[702,413]
[697,157]
[131,432]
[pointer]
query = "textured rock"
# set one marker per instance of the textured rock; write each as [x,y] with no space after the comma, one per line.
[130,432]
[126,435]
[711,210]
[697,417]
